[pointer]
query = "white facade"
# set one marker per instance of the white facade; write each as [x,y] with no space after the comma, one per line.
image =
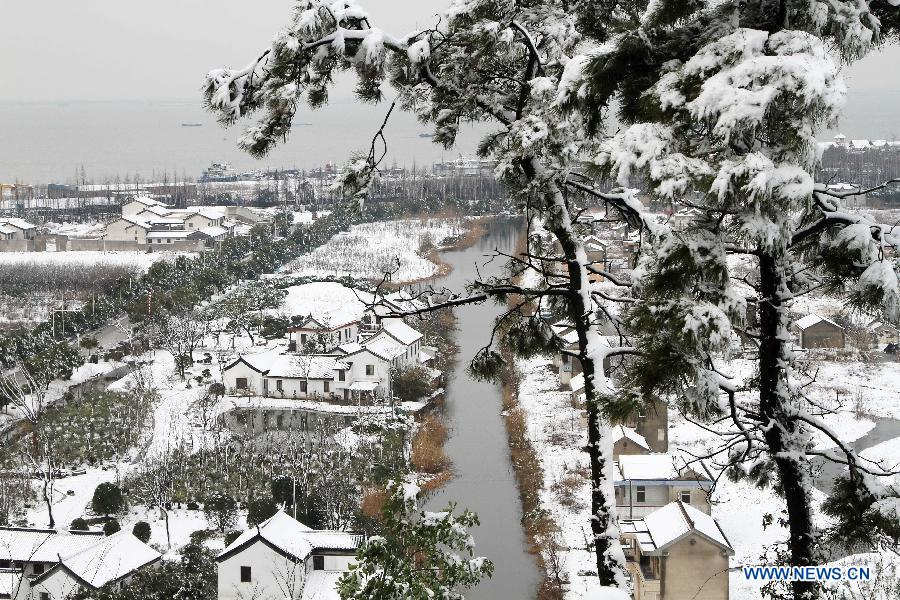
[123,230]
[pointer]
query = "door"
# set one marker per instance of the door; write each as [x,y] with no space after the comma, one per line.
[265,387]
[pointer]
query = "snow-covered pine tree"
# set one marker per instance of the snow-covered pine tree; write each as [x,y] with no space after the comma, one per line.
[721,102]
[502,62]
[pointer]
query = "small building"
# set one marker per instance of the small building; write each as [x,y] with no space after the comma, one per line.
[677,552]
[818,332]
[646,482]
[283,558]
[136,205]
[319,334]
[629,441]
[111,562]
[279,374]
[13,228]
[884,334]
[127,229]
[35,550]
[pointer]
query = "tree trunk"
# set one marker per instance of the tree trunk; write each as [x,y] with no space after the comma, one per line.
[783,436]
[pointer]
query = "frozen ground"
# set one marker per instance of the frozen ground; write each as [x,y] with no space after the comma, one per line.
[367,251]
[138,260]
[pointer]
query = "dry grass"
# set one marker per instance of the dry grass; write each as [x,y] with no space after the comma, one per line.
[566,491]
[428,446]
[372,502]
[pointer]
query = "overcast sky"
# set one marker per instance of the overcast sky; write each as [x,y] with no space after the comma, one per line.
[110,50]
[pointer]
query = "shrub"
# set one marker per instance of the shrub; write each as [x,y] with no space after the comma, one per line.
[107,499]
[111,527]
[201,535]
[193,505]
[410,383]
[78,524]
[428,446]
[141,531]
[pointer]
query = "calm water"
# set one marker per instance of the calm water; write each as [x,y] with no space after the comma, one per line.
[484,480]
[50,142]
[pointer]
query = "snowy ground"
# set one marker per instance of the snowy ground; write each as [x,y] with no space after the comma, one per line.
[370,249]
[86,229]
[139,260]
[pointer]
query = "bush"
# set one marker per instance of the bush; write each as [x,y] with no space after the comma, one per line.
[111,527]
[428,446]
[141,531]
[259,510]
[107,499]
[78,524]
[410,383]
[201,535]
[193,505]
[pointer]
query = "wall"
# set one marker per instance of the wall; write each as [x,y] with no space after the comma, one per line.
[689,566]
[272,575]
[625,446]
[822,335]
[17,245]
[357,370]
[656,497]
[59,586]
[654,426]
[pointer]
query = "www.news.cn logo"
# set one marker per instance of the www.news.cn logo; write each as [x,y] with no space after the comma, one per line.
[806,573]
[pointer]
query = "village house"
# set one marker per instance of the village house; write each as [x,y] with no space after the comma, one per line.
[279,374]
[629,441]
[283,558]
[110,562]
[814,331]
[884,334]
[646,482]
[33,551]
[677,552]
[320,334]
[14,228]
[649,422]
[136,205]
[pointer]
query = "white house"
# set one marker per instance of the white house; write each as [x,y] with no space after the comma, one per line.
[646,482]
[323,332]
[135,206]
[280,374]
[36,550]
[127,229]
[283,558]
[13,228]
[111,561]
[677,551]
[369,371]
[884,334]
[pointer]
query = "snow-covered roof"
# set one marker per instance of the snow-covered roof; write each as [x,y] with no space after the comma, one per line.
[277,363]
[321,585]
[159,211]
[213,231]
[146,201]
[112,558]
[666,525]
[651,467]
[8,229]
[350,347]
[42,545]
[17,223]
[632,435]
[135,221]
[401,331]
[330,303]
[812,319]
[384,346]
[292,537]
[363,386]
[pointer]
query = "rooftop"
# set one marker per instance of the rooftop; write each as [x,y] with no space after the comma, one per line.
[667,525]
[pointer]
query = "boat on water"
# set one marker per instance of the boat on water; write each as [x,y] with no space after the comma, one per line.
[192,124]
[426,135]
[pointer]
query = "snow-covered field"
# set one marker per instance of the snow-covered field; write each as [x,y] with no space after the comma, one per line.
[370,249]
[86,229]
[138,260]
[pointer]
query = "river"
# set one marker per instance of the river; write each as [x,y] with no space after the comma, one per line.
[484,480]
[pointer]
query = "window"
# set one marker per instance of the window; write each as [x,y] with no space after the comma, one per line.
[661,434]
[318,562]
[45,596]
[370,369]
[279,384]
[245,574]
[240,383]
[302,338]
[686,496]
[641,495]
[303,386]
[327,385]
[342,375]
